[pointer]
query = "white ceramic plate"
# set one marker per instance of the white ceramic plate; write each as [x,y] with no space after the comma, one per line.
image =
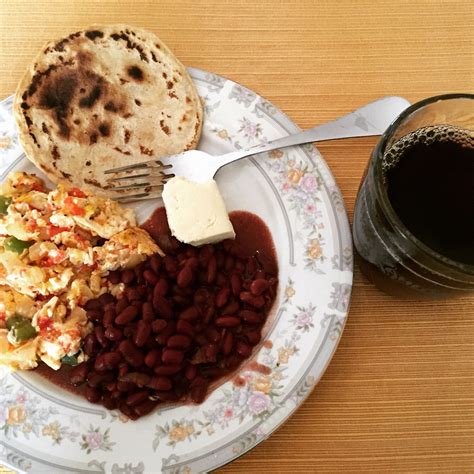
[45,429]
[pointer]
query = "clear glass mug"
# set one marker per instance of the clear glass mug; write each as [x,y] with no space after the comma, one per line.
[390,255]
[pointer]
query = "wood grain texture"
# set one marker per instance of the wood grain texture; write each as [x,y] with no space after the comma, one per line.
[399,393]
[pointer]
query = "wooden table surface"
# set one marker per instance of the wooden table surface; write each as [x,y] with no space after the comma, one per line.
[398,395]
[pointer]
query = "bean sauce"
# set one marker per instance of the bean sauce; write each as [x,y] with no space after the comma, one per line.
[185,321]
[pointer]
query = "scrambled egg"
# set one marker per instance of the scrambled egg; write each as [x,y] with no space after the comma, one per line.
[56,250]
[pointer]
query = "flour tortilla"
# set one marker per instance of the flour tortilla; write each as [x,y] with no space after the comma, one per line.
[104,97]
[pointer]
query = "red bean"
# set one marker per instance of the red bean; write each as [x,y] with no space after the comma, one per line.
[161,288]
[243,349]
[162,306]
[142,332]
[167,369]
[116,394]
[114,277]
[236,284]
[138,304]
[105,299]
[211,269]
[260,274]
[111,386]
[220,258]
[152,358]
[231,308]
[92,394]
[201,339]
[172,356]
[163,337]
[128,276]
[132,294]
[221,280]
[198,393]
[202,295]
[100,335]
[222,297]
[94,379]
[208,314]
[111,359]
[125,386]
[147,312]
[211,352]
[95,315]
[212,334]
[250,317]
[113,334]
[158,325]
[184,327]
[131,354]
[227,343]
[170,264]
[227,321]
[123,369]
[189,314]
[192,262]
[205,253]
[78,374]
[137,398]
[138,270]
[181,300]
[109,402]
[251,266]
[145,408]
[127,411]
[253,337]
[109,317]
[150,277]
[248,297]
[258,286]
[99,363]
[127,315]
[136,378]
[160,383]
[91,345]
[191,371]
[93,305]
[229,263]
[178,341]
[121,304]
[155,262]
[185,277]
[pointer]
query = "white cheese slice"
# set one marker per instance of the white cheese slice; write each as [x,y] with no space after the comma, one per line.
[196,212]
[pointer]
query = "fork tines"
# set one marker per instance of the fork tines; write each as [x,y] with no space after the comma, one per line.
[139,181]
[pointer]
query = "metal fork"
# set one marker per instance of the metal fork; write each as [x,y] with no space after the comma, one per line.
[146,180]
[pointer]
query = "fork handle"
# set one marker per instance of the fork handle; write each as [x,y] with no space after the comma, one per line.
[369,120]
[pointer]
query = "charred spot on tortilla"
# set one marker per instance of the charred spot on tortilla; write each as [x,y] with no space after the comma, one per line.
[93,34]
[104,129]
[135,72]
[93,138]
[146,151]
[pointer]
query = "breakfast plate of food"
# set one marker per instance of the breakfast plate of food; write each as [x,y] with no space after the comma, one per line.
[135,338]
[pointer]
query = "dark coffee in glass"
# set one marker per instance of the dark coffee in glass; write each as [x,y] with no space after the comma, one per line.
[414,216]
